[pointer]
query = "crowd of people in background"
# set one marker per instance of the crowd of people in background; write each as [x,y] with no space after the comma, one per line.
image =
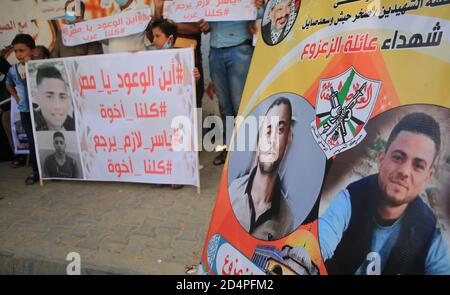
[231,51]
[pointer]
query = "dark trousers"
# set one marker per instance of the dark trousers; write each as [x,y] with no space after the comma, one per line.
[25,118]
[200,86]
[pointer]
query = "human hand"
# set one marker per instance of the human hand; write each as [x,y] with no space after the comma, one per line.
[253,28]
[196,74]
[259,4]
[204,26]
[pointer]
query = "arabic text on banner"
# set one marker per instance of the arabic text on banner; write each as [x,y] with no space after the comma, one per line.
[187,11]
[114,26]
[119,116]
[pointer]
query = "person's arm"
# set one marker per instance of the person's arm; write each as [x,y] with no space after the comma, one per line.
[188,28]
[159,5]
[12,91]
[333,223]
[438,257]
[260,5]
[10,85]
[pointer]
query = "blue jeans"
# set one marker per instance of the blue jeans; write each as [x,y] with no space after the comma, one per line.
[228,68]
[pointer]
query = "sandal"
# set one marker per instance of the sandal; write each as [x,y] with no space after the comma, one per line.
[32,179]
[18,162]
[177,186]
[221,158]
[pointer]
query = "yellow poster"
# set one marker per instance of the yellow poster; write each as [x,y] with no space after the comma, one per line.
[350,167]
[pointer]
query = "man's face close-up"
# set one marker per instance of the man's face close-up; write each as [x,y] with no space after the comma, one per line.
[273,138]
[53,101]
[280,15]
[406,167]
[60,145]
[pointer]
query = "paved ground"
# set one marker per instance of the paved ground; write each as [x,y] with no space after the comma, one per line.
[116,227]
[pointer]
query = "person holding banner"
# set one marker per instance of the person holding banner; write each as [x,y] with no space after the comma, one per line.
[229,61]
[379,224]
[16,85]
[257,199]
[189,35]
[164,33]
[53,101]
[132,43]
[70,17]
[60,165]
[6,113]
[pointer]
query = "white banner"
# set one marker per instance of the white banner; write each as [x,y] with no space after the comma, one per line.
[16,17]
[19,136]
[114,26]
[9,28]
[210,10]
[123,117]
[19,10]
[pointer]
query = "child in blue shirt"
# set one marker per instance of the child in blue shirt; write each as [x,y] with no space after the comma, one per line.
[16,84]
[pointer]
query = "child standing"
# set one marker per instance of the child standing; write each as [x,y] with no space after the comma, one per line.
[164,35]
[16,84]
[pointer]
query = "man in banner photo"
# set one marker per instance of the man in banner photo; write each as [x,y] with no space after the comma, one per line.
[53,101]
[59,164]
[379,225]
[257,198]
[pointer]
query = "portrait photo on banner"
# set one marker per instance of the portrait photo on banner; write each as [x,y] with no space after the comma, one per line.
[279,17]
[384,207]
[274,149]
[51,96]
[59,155]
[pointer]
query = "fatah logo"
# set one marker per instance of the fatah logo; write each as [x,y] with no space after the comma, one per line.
[343,106]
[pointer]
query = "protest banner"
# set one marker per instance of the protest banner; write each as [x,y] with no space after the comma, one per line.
[17,16]
[113,26]
[187,11]
[354,100]
[51,9]
[19,136]
[116,117]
